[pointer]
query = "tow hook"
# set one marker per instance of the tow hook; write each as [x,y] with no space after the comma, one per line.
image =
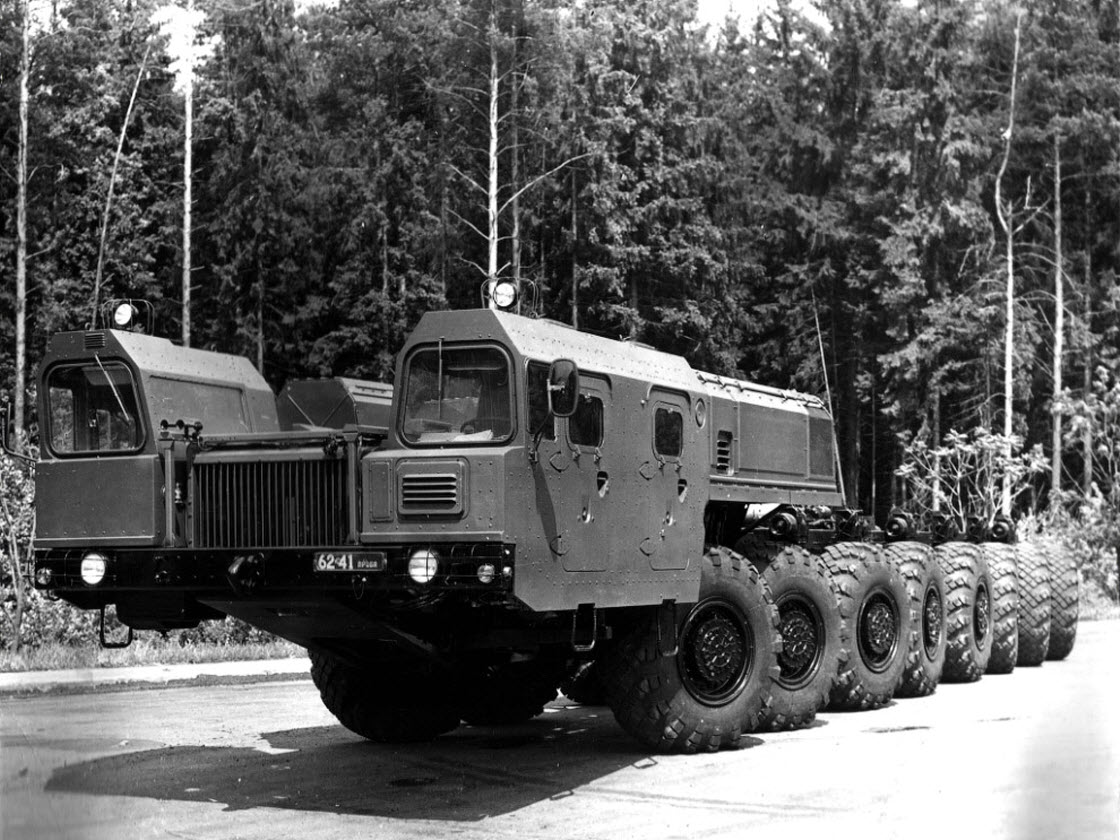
[245,573]
[114,645]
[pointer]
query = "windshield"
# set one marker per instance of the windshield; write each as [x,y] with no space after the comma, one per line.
[457,395]
[92,408]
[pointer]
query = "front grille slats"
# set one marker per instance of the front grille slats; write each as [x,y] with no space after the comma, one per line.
[270,504]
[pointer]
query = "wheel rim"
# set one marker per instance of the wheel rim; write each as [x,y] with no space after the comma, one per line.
[803,640]
[716,653]
[932,622]
[982,613]
[878,628]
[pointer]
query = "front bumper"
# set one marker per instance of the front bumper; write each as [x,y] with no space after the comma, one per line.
[478,568]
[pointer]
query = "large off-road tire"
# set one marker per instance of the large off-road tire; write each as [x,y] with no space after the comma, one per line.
[876,606]
[1034,604]
[1065,601]
[968,591]
[1005,606]
[925,584]
[394,704]
[715,684]
[584,684]
[496,695]
[813,633]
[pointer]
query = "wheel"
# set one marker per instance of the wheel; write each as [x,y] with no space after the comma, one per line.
[584,684]
[715,684]
[875,605]
[1064,602]
[925,584]
[813,634]
[1005,606]
[407,707]
[1034,604]
[496,695]
[968,598]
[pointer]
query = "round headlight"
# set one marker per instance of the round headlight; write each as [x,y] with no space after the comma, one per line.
[93,568]
[423,565]
[486,573]
[504,295]
[124,315]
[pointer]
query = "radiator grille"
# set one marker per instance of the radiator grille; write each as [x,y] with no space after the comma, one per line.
[430,493]
[270,504]
[723,452]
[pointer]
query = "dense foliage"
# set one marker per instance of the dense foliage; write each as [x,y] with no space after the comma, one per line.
[729,195]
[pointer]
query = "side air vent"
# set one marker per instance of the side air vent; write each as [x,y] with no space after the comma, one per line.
[723,453]
[94,340]
[430,488]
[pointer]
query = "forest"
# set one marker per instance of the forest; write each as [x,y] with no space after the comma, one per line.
[911,209]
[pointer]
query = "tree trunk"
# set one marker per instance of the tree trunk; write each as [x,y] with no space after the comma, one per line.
[935,410]
[492,183]
[514,176]
[1059,329]
[20,387]
[1004,214]
[1087,376]
[575,250]
[188,118]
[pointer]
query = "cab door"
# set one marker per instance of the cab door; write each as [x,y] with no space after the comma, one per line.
[585,483]
[667,473]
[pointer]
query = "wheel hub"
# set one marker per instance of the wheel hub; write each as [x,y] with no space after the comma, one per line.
[982,614]
[801,641]
[931,622]
[878,631]
[715,652]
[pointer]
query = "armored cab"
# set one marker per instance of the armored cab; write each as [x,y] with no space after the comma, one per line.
[606,507]
[104,398]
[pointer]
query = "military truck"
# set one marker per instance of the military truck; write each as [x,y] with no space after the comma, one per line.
[527,503]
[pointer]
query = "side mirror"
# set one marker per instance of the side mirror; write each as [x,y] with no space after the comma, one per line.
[563,387]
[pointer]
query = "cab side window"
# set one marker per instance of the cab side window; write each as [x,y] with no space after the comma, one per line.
[668,433]
[585,427]
[538,401]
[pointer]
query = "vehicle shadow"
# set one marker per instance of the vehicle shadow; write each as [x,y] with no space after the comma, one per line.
[467,775]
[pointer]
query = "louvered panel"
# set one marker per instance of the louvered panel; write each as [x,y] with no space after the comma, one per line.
[433,492]
[723,452]
[270,504]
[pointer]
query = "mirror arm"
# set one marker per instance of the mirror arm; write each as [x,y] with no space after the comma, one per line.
[5,444]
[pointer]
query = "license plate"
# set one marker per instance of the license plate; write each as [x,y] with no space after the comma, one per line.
[349,561]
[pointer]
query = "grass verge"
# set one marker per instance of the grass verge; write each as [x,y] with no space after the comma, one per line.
[144,650]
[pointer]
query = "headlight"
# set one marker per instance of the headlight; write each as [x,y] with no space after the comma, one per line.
[93,568]
[423,565]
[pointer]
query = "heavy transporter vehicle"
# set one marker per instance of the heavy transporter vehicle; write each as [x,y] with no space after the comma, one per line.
[528,505]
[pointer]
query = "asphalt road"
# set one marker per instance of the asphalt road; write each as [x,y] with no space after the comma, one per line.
[1032,754]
